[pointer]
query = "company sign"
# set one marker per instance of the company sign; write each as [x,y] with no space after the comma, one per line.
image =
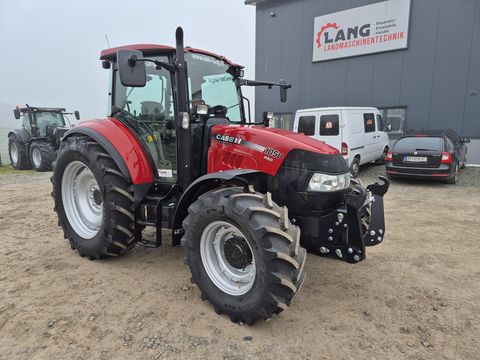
[363,30]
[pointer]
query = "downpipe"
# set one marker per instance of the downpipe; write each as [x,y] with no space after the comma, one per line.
[184,135]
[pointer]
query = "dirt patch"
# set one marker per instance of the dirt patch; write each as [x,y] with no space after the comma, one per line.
[414,297]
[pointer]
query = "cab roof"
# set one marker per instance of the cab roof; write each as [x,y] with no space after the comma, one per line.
[41,109]
[155,49]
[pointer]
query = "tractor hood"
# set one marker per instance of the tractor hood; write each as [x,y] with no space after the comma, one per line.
[265,149]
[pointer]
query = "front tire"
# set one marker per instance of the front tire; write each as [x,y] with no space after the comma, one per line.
[355,167]
[93,200]
[18,154]
[243,253]
[42,156]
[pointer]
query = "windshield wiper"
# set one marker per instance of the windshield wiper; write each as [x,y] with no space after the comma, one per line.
[424,149]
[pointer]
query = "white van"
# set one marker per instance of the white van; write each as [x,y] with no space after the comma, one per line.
[355,131]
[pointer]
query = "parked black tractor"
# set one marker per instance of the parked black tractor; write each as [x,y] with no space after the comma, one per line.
[36,143]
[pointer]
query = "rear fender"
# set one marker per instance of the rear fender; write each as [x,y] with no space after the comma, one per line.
[119,142]
[239,177]
[21,134]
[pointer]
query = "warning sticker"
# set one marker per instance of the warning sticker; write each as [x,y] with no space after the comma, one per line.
[165,173]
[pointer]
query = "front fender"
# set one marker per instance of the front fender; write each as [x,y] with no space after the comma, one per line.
[241,177]
[121,144]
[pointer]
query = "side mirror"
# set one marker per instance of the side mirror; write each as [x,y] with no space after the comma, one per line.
[283,90]
[389,127]
[466,140]
[16,113]
[77,114]
[132,72]
[267,116]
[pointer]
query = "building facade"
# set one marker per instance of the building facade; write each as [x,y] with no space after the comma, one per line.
[418,61]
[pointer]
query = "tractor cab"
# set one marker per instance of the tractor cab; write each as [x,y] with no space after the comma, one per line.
[213,95]
[36,119]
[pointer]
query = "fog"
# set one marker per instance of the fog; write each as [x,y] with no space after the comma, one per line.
[50,48]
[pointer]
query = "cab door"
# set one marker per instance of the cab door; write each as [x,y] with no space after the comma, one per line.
[381,136]
[330,129]
[370,137]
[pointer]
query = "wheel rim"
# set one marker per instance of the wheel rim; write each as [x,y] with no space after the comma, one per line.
[14,152]
[36,157]
[227,258]
[82,199]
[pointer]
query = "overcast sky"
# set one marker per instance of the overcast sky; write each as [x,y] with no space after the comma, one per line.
[50,48]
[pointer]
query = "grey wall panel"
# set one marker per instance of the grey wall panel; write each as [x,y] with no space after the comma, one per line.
[291,54]
[268,68]
[358,83]
[433,77]
[387,78]
[451,63]
[471,117]
[417,80]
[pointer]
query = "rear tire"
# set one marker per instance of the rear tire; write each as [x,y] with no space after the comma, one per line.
[355,167]
[263,235]
[454,178]
[18,154]
[42,156]
[93,200]
[383,159]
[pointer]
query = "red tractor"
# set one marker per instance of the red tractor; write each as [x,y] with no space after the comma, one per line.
[178,152]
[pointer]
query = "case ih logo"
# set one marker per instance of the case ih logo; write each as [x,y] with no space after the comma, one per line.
[228,139]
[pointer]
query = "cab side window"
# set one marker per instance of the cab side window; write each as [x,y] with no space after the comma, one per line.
[306,125]
[455,138]
[448,144]
[26,122]
[369,122]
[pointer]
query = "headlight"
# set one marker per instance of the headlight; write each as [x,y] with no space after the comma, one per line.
[325,182]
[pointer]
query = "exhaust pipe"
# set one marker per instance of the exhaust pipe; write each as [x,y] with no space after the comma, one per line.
[184,135]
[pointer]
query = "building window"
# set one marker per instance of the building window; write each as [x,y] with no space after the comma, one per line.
[369,122]
[329,125]
[306,125]
[282,121]
[394,119]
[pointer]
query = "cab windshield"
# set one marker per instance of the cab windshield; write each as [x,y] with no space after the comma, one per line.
[209,81]
[43,119]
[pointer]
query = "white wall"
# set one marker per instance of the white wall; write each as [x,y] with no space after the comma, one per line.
[4,146]
[474,152]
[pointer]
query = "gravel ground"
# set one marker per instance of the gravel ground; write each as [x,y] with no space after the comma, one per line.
[414,297]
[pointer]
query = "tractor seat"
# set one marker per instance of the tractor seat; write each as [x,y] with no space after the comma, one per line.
[152,110]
